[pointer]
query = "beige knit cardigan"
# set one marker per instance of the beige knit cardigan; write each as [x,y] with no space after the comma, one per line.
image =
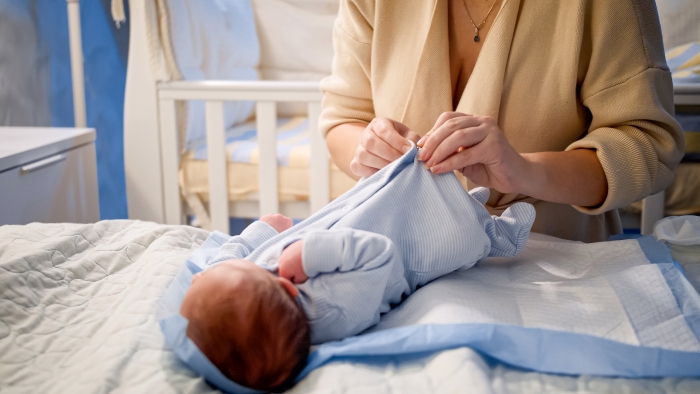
[556,74]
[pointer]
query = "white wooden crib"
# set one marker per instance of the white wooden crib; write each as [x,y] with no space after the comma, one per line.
[152,142]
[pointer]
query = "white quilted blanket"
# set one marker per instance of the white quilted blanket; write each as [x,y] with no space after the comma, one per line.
[77,309]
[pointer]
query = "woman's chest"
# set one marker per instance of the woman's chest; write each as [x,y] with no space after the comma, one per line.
[469,23]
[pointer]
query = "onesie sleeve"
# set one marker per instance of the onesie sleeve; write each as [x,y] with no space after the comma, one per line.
[242,245]
[347,92]
[354,276]
[628,90]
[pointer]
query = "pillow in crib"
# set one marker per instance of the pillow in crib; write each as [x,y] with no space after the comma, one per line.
[214,39]
[296,42]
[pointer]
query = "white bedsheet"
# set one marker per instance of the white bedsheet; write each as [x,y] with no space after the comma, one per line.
[76,315]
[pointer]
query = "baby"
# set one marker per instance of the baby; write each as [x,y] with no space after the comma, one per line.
[276,289]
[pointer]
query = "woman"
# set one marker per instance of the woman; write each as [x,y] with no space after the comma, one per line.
[564,104]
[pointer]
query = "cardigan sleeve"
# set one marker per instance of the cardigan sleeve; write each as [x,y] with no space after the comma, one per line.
[628,90]
[347,94]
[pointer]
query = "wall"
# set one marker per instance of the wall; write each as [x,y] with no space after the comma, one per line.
[24,67]
[680,21]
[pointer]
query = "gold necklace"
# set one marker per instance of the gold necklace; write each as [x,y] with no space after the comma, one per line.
[477,28]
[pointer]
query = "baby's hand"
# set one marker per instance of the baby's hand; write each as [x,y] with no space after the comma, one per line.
[277,221]
[289,264]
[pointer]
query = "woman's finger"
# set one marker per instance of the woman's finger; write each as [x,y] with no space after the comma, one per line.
[465,158]
[370,159]
[441,133]
[444,117]
[392,133]
[378,147]
[361,170]
[413,136]
[463,138]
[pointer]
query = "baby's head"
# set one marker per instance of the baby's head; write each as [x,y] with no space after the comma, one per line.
[247,323]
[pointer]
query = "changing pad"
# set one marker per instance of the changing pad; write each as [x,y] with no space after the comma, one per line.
[619,308]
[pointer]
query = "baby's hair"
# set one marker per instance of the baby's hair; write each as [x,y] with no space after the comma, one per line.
[270,351]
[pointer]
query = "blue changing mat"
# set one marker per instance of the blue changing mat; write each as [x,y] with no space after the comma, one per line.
[618,308]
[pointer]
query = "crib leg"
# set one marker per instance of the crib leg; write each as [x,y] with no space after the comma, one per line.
[266,115]
[652,212]
[170,161]
[319,193]
[216,154]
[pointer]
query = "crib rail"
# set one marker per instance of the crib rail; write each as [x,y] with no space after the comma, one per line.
[266,94]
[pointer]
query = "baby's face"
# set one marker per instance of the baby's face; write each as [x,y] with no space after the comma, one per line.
[229,278]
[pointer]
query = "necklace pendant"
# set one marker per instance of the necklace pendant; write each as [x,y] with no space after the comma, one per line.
[476,38]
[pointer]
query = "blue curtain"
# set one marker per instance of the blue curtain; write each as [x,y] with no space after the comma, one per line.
[105,49]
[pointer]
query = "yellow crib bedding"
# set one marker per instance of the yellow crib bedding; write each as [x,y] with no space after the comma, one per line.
[293,152]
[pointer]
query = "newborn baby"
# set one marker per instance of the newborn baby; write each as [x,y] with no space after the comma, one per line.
[271,292]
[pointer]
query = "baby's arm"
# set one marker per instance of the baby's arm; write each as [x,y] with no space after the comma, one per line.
[356,276]
[253,236]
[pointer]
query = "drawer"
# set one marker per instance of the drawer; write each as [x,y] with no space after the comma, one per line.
[55,189]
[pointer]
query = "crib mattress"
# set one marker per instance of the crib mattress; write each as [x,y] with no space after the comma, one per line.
[77,314]
[293,152]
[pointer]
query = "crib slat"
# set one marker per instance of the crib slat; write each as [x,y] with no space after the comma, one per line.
[652,211]
[216,156]
[170,161]
[266,115]
[319,195]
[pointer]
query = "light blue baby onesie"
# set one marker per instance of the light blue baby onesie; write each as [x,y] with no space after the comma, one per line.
[376,244]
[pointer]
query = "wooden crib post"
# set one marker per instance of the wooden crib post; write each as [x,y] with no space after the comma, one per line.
[76,63]
[319,183]
[216,156]
[266,116]
[170,159]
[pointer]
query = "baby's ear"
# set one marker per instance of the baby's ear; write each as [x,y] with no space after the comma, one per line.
[288,286]
[481,194]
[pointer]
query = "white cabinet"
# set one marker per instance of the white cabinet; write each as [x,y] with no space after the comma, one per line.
[48,175]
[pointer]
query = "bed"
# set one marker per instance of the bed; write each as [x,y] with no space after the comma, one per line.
[77,314]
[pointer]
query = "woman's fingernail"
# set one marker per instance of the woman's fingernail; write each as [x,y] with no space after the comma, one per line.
[434,169]
[406,148]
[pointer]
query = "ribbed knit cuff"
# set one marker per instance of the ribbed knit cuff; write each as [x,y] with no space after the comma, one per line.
[323,252]
[257,233]
[626,180]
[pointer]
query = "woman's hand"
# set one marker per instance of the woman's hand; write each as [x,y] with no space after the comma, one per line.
[290,264]
[475,146]
[278,222]
[383,141]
